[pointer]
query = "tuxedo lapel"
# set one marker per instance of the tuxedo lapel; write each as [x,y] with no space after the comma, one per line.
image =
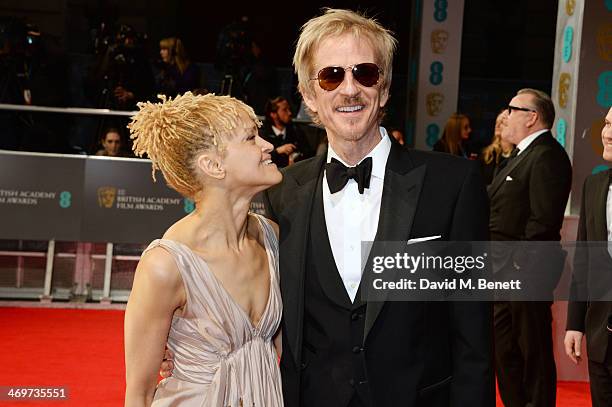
[500,177]
[402,187]
[331,281]
[600,196]
[294,223]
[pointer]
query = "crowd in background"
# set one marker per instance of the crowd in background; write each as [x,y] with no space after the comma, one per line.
[128,67]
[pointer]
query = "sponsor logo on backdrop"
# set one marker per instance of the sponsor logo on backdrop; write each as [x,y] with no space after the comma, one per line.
[25,197]
[106,197]
[564,85]
[568,38]
[439,41]
[433,132]
[570,6]
[595,136]
[435,73]
[113,198]
[434,101]
[604,42]
[604,94]
[561,131]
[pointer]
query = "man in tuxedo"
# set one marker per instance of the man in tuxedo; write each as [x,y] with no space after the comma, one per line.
[594,264]
[289,141]
[528,198]
[340,350]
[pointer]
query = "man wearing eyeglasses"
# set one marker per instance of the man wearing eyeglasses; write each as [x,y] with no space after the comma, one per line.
[528,198]
[340,350]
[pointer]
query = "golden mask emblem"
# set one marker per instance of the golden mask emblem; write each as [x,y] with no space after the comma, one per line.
[564,85]
[439,41]
[570,6]
[604,42]
[595,136]
[434,100]
[106,196]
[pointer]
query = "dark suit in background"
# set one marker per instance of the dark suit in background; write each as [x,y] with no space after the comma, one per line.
[338,353]
[590,266]
[293,135]
[528,198]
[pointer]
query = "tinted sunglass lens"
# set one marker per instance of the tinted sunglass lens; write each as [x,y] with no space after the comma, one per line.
[331,77]
[366,74]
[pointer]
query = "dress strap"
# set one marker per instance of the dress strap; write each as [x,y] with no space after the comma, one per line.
[271,241]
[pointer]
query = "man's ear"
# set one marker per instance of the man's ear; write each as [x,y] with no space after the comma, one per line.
[534,119]
[384,97]
[308,97]
[210,164]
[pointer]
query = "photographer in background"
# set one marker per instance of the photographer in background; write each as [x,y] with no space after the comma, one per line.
[33,71]
[122,75]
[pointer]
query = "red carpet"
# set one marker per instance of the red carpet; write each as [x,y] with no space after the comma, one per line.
[79,349]
[83,351]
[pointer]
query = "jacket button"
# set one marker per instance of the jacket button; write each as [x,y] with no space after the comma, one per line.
[352,382]
[354,316]
[357,349]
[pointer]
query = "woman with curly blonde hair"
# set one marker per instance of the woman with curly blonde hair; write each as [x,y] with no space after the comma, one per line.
[209,288]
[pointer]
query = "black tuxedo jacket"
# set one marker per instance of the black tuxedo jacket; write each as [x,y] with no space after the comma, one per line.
[592,317]
[417,353]
[293,135]
[528,196]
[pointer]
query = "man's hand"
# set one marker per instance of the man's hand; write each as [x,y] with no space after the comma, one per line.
[286,149]
[167,366]
[573,343]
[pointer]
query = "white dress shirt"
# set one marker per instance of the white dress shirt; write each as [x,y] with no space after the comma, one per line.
[279,133]
[524,143]
[352,217]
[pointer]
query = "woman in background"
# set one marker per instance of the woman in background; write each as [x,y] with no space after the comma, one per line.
[111,144]
[497,152]
[456,132]
[177,74]
[210,286]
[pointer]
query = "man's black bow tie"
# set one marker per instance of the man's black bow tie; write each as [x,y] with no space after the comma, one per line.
[338,174]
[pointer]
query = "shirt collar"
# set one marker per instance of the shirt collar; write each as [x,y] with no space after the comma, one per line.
[278,132]
[379,155]
[524,143]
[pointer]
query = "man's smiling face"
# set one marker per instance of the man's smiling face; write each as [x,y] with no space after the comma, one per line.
[350,112]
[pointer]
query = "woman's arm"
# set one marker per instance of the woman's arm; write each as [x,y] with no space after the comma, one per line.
[156,294]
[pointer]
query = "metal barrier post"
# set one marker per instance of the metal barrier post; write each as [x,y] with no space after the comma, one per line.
[20,267]
[46,296]
[106,298]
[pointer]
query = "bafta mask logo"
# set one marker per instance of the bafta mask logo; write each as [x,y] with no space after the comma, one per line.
[439,41]
[106,196]
[604,42]
[564,85]
[434,100]
[570,6]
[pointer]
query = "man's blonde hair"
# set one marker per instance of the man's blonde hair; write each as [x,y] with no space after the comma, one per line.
[174,131]
[336,22]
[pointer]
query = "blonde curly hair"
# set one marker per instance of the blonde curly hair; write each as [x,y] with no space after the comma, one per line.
[174,131]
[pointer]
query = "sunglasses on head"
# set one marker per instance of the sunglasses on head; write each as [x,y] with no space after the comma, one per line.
[367,74]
